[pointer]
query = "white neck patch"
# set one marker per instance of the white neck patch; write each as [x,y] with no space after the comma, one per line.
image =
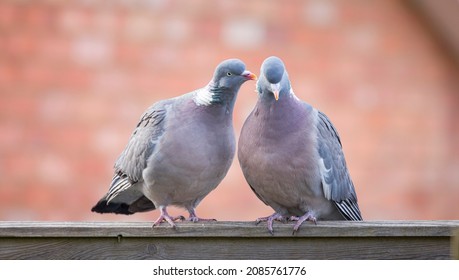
[203,97]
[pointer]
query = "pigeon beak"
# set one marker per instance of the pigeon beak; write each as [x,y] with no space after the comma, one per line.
[249,75]
[275,88]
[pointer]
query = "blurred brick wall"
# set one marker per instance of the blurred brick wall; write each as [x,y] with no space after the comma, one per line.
[75,77]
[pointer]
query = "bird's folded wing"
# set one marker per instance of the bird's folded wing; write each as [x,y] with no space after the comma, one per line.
[336,182]
[133,160]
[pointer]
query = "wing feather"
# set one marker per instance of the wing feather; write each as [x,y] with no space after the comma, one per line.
[133,160]
[336,181]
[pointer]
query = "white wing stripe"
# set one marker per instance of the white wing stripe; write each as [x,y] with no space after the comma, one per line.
[120,185]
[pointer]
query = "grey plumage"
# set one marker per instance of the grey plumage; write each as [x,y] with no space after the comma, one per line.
[291,155]
[180,150]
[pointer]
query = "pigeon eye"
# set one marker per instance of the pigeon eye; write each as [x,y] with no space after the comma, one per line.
[229,74]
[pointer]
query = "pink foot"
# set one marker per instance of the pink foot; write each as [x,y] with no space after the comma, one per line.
[193,218]
[270,220]
[166,217]
[306,217]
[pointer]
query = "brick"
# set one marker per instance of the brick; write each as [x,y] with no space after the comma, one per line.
[140,27]
[11,135]
[8,16]
[57,107]
[92,50]
[54,169]
[107,22]
[240,33]
[54,51]
[73,21]
[108,141]
[320,13]
[37,75]
[37,17]
[8,76]
[111,81]
[76,78]
[20,45]
[176,30]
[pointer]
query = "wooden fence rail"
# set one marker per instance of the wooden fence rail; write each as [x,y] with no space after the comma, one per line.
[230,240]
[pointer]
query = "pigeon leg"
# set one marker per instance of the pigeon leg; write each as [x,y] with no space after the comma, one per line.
[166,217]
[306,217]
[193,218]
[270,220]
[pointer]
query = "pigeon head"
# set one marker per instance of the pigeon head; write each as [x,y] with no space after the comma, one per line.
[222,89]
[230,75]
[273,78]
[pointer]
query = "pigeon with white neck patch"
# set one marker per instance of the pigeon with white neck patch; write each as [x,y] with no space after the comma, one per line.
[291,155]
[180,150]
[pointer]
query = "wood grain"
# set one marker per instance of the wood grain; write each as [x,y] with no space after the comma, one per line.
[455,245]
[227,240]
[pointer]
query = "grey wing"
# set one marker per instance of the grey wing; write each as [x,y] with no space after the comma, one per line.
[133,160]
[336,182]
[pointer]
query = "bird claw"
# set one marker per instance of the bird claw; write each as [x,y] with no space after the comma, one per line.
[306,217]
[270,220]
[166,217]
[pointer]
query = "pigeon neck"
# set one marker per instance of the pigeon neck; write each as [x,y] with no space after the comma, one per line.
[215,95]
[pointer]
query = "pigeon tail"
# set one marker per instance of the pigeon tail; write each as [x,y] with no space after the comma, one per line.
[349,209]
[142,204]
[117,208]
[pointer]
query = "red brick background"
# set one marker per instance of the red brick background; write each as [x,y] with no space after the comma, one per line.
[75,77]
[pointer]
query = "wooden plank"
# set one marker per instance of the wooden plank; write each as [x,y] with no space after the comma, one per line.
[227,229]
[225,248]
[455,245]
[227,240]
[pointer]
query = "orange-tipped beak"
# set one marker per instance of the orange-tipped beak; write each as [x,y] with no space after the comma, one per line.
[275,88]
[249,75]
